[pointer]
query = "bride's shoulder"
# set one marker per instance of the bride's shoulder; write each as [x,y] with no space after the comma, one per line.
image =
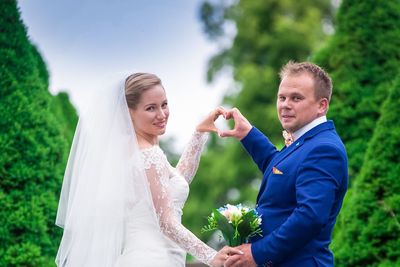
[150,150]
[153,156]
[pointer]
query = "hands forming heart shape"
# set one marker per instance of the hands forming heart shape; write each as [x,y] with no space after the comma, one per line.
[241,125]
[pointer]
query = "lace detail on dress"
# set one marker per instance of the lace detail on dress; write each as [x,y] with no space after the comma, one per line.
[158,173]
[154,156]
[189,161]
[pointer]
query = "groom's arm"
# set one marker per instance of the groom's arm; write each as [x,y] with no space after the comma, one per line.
[319,179]
[259,147]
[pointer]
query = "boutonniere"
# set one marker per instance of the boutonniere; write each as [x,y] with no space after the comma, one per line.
[289,138]
[276,171]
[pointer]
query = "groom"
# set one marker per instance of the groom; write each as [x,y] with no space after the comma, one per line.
[304,183]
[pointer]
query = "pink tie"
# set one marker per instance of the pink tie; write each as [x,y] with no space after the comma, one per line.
[289,138]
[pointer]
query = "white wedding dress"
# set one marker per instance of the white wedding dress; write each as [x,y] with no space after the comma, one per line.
[165,244]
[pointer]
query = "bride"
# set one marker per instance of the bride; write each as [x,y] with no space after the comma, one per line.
[121,200]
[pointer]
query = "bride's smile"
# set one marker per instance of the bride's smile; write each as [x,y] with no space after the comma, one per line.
[151,113]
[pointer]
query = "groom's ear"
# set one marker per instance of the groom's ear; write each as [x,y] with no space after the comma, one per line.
[323,106]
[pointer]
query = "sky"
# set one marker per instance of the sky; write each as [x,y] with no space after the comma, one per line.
[89,44]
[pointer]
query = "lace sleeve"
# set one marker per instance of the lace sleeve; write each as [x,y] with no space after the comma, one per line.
[189,161]
[157,175]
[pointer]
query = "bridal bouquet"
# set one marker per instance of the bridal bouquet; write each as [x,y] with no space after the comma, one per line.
[237,223]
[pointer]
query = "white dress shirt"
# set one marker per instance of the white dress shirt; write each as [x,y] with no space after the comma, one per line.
[297,134]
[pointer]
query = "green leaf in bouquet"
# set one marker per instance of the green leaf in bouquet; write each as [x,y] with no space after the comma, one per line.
[244,227]
[236,241]
[225,227]
[212,223]
[248,226]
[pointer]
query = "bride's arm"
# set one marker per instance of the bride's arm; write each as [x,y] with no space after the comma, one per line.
[169,225]
[189,161]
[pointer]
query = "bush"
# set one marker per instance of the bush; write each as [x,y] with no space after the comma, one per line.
[370,225]
[363,57]
[33,149]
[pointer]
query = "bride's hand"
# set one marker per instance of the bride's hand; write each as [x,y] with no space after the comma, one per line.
[207,124]
[222,255]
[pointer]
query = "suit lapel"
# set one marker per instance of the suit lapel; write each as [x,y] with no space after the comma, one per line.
[298,143]
[286,151]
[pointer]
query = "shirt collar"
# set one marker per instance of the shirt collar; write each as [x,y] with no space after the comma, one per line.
[297,134]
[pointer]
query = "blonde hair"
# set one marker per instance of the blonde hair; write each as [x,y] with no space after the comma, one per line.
[136,84]
[322,81]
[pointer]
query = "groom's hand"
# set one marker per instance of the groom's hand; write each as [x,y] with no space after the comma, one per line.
[241,260]
[222,255]
[242,125]
[207,124]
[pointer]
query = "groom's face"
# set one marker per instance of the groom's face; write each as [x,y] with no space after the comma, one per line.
[296,102]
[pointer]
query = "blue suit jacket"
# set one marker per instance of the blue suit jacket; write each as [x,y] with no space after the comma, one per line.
[300,196]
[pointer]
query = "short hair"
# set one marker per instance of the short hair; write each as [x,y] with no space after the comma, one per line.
[136,84]
[322,81]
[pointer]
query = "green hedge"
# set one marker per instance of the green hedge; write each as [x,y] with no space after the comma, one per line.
[33,149]
[370,225]
[363,57]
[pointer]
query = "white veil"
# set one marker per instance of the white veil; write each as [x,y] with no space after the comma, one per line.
[103,161]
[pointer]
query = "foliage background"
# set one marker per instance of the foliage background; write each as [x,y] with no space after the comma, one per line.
[363,59]
[358,45]
[35,135]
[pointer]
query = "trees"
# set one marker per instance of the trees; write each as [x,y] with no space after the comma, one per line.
[33,150]
[370,224]
[65,113]
[362,57]
[268,35]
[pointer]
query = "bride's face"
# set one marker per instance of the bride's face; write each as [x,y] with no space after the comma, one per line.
[151,114]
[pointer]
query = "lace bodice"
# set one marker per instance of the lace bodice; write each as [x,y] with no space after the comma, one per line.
[169,189]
